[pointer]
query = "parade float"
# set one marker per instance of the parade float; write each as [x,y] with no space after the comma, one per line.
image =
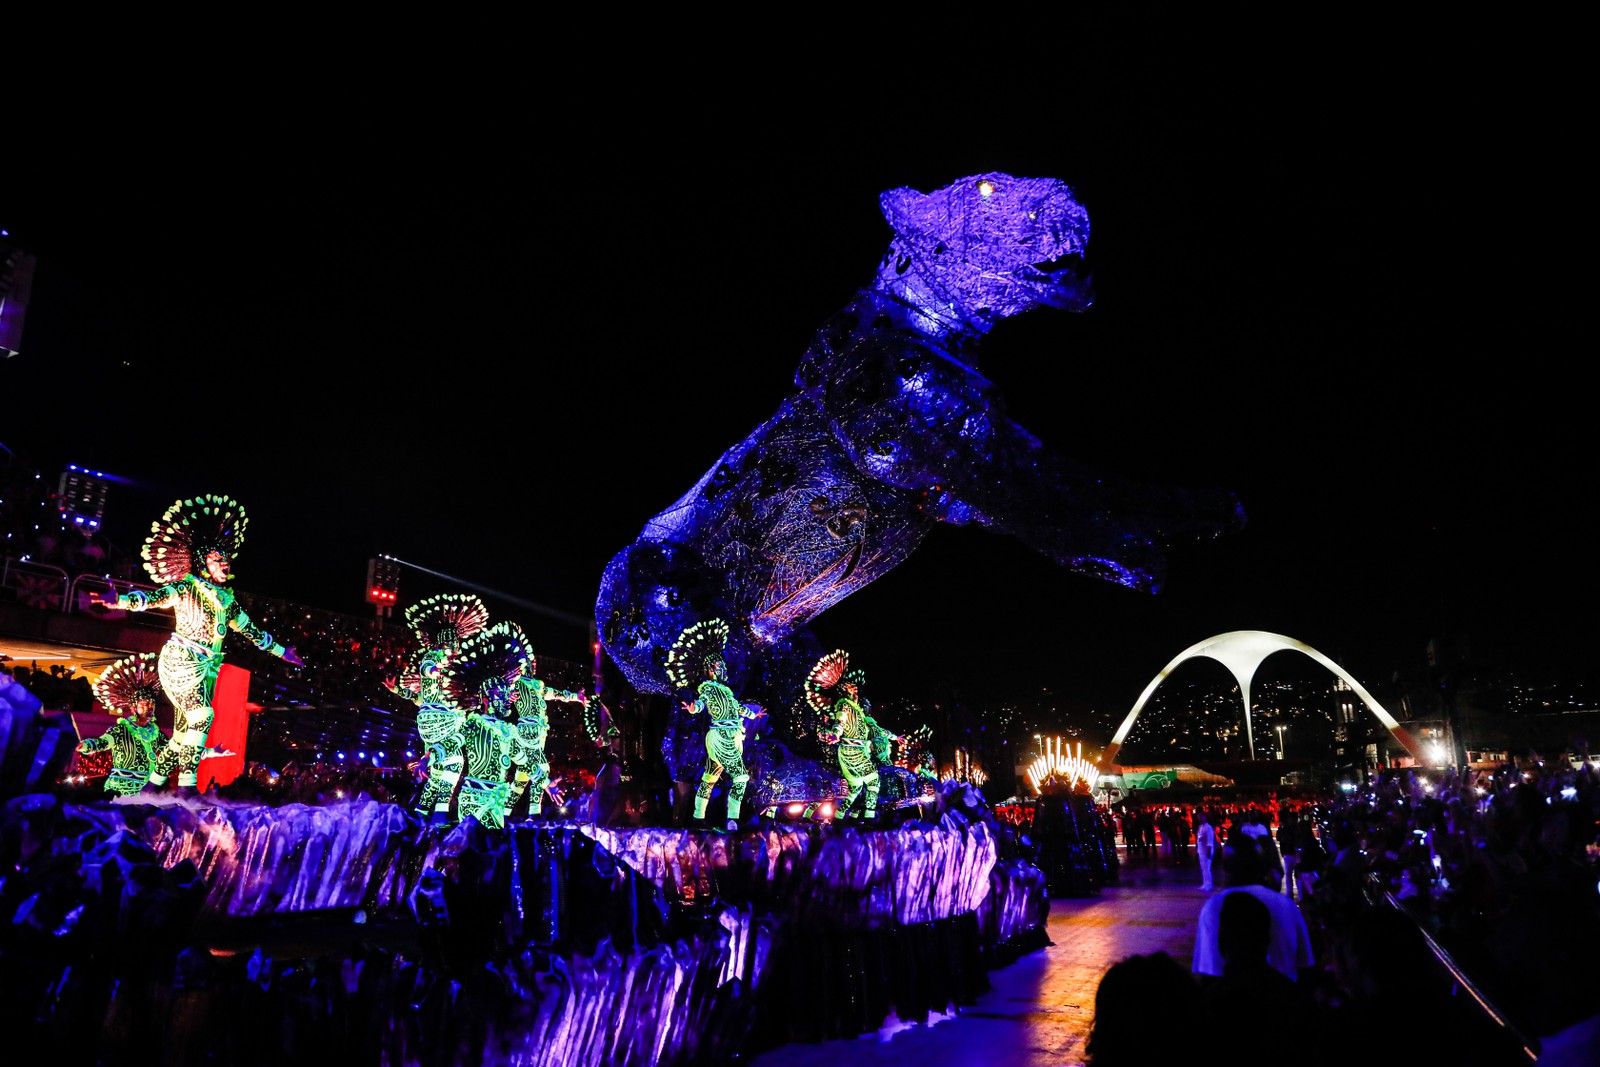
[473,925]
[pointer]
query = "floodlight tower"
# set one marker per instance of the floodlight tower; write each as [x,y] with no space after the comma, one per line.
[383,584]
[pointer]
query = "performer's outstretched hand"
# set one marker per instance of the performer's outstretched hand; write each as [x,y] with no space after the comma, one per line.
[290,656]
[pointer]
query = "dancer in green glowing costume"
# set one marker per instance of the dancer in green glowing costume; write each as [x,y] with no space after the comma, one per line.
[440,624]
[696,657]
[189,552]
[129,689]
[481,685]
[863,744]
[533,727]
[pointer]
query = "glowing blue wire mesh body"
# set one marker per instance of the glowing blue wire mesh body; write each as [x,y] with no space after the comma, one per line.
[891,429]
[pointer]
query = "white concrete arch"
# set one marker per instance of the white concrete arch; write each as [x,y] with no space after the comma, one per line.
[1242,651]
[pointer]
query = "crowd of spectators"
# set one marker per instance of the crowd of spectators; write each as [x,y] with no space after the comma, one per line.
[59,688]
[1494,873]
[1500,867]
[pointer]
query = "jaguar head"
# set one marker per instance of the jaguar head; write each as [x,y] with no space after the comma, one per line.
[987,247]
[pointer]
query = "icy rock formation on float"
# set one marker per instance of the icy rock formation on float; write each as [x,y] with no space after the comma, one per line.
[891,428]
[543,943]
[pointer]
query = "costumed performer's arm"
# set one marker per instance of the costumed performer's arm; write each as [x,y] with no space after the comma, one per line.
[97,744]
[142,600]
[240,622]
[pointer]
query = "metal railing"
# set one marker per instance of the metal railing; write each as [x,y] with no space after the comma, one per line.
[50,588]
[85,584]
[35,585]
[1530,1046]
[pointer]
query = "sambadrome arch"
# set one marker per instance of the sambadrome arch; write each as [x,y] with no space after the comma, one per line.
[1242,652]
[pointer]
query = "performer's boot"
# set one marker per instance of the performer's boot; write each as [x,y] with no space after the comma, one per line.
[736,799]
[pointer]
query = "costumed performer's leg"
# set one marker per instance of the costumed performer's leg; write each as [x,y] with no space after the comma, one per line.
[846,809]
[444,771]
[196,726]
[188,677]
[538,782]
[872,783]
[736,786]
[440,730]
[857,771]
[708,780]
[729,752]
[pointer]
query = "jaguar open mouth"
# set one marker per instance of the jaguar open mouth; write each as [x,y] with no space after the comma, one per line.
[1071,263]
[1069,281]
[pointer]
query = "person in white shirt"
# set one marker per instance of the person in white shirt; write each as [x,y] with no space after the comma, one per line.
[1205,848]
[1247,869]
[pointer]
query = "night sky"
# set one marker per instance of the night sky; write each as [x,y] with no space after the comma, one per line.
[492,323]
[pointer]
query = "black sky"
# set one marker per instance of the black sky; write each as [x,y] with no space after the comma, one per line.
[491,322]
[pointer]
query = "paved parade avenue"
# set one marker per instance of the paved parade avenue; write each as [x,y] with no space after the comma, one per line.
[1040,1008]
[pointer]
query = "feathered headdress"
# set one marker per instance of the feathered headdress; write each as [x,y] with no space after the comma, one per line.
[826,674]
[129,681]
[180,540]
[694,650]
[446,620]
[488,667]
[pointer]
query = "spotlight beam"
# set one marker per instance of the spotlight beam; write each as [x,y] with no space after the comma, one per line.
[575,620]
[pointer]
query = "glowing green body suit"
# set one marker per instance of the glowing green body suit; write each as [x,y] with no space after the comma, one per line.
[440,727]
[134,749]
[857,734]
[533,729]
[486,787]
[724,745]
[189,663]
[440,624]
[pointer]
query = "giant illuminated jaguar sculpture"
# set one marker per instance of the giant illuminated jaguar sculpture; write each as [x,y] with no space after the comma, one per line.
[891,429]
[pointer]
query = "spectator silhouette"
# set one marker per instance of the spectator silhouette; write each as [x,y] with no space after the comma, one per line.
[1131,994]
[1276,1011]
